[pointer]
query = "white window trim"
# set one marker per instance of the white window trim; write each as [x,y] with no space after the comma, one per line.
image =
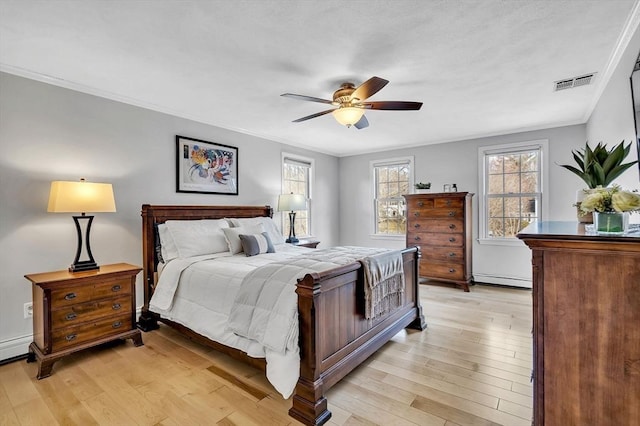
[543,145]
[312,172]
[372,195]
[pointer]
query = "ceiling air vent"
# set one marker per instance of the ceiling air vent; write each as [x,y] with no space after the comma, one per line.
[583,80]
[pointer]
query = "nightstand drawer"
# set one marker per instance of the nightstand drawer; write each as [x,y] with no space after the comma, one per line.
[80,294]
[89,311]
[71,336]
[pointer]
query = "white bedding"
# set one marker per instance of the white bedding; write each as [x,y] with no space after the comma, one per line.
[203,300]
[214,299]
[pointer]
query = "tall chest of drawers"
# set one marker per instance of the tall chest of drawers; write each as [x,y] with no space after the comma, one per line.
[440,224]
[75,311]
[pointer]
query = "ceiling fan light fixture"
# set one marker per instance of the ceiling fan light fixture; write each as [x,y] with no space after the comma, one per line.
[348,116]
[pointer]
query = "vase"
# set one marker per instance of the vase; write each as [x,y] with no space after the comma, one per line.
[611,223]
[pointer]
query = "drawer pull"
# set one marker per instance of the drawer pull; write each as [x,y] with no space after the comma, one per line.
[417,225]
[452,214]
[420,204]
[71,337]
[448,202]
[451,270]
[452,239]
[117,324]
[417,238]
[452,254]
[452,226]
[416,214]
[116,288]
[70,296]
[71,316]
[116,306]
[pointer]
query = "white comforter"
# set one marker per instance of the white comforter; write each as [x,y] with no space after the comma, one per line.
[209,286]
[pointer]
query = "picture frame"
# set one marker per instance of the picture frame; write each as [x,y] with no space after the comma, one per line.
[206,167]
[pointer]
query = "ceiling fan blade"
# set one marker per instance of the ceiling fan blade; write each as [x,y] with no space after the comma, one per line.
[362,123]
[369,88]
[392,105]
[309,117]
[306,98]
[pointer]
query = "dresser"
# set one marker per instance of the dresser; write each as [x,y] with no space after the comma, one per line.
[440,224]
[586,326]
[76,311]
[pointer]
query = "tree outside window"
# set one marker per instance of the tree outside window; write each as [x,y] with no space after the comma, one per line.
[512,189]
[296,174]
[391,182]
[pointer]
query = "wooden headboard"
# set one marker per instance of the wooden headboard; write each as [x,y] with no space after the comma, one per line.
[153,215]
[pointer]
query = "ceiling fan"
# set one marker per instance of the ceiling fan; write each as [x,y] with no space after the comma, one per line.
[351,103]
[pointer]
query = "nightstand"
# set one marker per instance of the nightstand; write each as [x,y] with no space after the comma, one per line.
[76,311]
[307,243]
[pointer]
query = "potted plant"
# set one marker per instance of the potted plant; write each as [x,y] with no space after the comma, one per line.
[598,167]
[423,187]
[610,208]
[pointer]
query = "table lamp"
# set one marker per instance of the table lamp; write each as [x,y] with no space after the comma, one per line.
[291,203]
[81,197]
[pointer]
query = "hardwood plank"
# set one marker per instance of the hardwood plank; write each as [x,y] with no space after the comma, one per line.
[470,367]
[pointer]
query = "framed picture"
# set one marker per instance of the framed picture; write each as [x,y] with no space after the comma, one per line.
[206,167]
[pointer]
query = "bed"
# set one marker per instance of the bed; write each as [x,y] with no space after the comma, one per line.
[330,345]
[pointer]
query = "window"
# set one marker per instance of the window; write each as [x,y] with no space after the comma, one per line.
[296,179]
[512,177]
[391,179]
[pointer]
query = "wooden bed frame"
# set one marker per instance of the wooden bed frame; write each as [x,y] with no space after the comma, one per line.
[331,345]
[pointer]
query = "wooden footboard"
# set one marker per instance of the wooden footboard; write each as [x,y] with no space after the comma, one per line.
[335,337]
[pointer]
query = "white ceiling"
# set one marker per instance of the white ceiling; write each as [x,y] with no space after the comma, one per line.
[481,67]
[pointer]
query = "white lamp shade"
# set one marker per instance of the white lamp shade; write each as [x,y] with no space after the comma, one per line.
[348,116]
[292,202]
[81,197]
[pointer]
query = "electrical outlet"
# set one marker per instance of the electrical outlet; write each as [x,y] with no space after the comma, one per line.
[28,310]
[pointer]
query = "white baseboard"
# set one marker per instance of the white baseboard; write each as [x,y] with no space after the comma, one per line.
[510,281]
[15,347]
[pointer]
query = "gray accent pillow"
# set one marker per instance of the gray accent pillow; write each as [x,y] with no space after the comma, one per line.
[254,244]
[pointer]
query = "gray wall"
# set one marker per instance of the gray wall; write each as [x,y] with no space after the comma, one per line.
[50,133]
[457,162]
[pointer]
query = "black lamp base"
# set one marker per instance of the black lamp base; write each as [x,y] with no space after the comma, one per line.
[89,264]
[292,230]
[83,266]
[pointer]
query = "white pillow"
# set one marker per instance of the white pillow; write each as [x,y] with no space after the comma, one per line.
[197,237]
[167,245]
[269,226]
[232,235]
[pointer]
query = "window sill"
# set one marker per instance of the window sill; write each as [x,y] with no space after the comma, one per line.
[398,237]
[513,242]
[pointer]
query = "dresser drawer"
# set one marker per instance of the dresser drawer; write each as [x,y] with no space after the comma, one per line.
[80,294]
[71,336]
[442,254]
[440,240]
[436,225]
[436,214]
[89,311]
[449,271]
[447,203]
[421,203]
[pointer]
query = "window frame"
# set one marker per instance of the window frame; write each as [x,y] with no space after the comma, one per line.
[409,160]
[510,148]
[295,158]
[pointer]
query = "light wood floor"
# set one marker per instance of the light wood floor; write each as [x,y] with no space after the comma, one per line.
[470,367]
